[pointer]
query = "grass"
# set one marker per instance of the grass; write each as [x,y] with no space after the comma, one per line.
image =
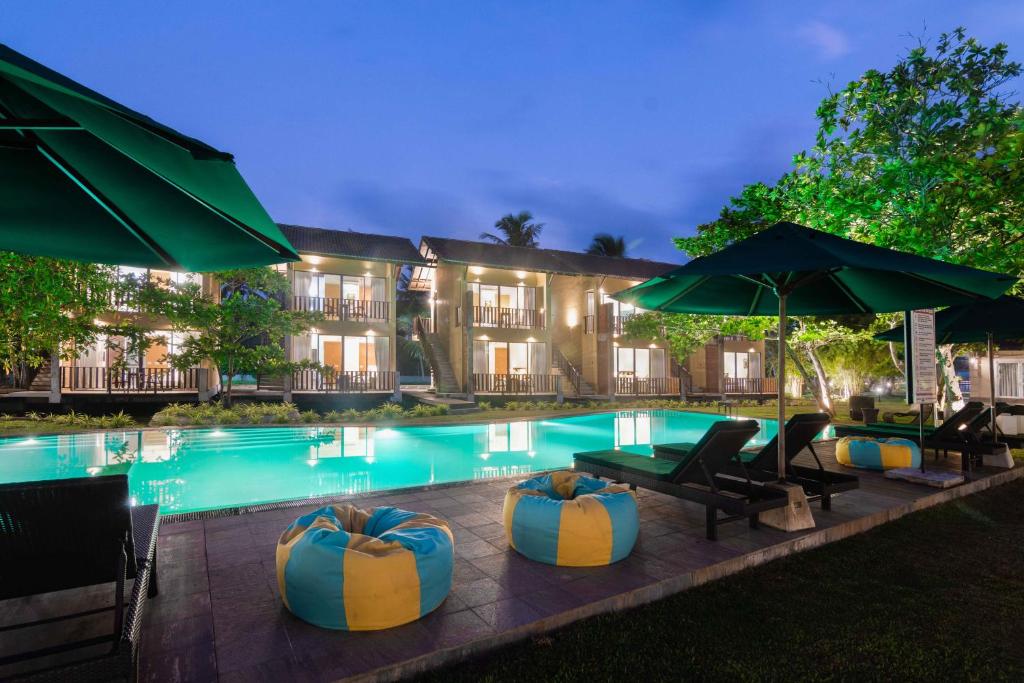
[936,595]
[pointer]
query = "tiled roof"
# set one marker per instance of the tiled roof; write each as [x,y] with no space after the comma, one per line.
[542,260]
[350,244]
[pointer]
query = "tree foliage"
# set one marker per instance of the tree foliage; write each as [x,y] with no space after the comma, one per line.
[517,230]
[605,244]
[244,331]
[48,305]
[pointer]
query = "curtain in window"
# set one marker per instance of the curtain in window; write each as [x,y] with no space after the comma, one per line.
[658,363]
[538,358]
[378,289]
[382,353]
[529,298]
[1008,380]
[480,357]
[305,283]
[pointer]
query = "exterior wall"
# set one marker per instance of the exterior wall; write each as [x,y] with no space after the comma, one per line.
[353,267]
[449,295]
[705,365]
[981,388]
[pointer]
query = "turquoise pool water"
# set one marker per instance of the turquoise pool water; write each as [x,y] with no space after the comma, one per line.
[199,469]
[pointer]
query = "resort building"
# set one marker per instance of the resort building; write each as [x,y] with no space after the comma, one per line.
[352,279]
[516,320]
[729,365]
[1009,373]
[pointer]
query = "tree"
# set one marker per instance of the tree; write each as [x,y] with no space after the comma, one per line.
[605,244]
[48,305]
[244,331]
[409,305]
[924,158]
[518,230]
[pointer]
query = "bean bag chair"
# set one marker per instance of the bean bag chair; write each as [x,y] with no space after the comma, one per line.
[340,567]
[571,520]
[877,454]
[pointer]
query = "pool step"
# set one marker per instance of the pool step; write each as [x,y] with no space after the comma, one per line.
[456,406]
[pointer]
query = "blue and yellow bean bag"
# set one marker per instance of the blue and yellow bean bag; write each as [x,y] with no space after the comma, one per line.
[877,454]
[571,520]
[360,570]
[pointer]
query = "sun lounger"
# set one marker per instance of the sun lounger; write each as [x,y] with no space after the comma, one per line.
[73,533]
[702,475]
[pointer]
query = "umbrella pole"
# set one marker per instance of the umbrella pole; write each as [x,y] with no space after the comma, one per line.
[781,433]
[992,388]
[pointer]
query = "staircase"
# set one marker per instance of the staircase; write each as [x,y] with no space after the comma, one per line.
[444,377]
[573,386]
[41,382]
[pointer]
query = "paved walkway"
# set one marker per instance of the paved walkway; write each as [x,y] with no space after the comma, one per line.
[219,613]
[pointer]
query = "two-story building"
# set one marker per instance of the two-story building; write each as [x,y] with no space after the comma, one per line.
[351,279]
[517,320]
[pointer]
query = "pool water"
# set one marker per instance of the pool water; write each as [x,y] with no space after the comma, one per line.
[186,470]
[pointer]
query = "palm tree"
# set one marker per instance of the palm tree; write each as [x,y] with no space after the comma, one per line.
[604,244]
[517,229]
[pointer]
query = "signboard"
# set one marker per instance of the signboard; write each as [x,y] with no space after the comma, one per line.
[922,384]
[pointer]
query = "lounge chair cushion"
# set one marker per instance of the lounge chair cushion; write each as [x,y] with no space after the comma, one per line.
[877,454]
[679,451]
[340,567]
[571,520]
[643,465]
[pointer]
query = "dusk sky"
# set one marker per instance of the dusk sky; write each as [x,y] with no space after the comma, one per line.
[635,118]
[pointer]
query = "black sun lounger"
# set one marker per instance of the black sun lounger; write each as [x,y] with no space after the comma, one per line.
[702,475]
[72,533]
[817,482]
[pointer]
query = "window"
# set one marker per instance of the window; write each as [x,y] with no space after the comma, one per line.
[344,353]
[331,286]
[500,296]
[742,364]
[1009,378]
[619,309]
[642,363]
[510,358]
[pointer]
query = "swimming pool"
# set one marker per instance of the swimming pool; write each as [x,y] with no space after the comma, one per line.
[187,470]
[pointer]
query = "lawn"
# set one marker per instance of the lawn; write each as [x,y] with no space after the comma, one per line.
[937,595]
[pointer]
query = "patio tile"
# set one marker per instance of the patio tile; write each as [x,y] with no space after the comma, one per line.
[174,606]
[182,665]
[507,614]
[272,671]
[473,549]
[456,628]
[481,592]
[192,632]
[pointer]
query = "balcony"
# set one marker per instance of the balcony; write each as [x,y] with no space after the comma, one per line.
[130,380]
[751,385]
[589,324]
[358,310]
[619,322]
[349,382]
[516,384]
[646,386]
[508,318]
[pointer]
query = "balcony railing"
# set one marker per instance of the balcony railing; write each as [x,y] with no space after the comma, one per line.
[129,380]
[351,382]
[513,384]
[507,318]
[344,309]
[619,322]
[589,324]
[647,386]
[751,385]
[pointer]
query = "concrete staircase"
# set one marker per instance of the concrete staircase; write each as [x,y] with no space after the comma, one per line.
[445,381]
[41,382]
[571,377]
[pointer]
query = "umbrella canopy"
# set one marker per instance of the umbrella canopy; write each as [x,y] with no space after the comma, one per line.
[85,178]
[788,268]
[1002,318]
[848,277]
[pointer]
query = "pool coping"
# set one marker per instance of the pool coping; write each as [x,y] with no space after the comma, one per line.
[682,582]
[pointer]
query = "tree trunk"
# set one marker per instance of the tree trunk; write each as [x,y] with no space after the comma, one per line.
[824,400]
[950,383]
[895,359]
[227,387]
[802,370]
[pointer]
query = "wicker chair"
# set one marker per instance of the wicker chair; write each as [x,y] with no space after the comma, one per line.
[73,533]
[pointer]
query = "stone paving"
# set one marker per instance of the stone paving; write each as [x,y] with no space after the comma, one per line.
[219,614]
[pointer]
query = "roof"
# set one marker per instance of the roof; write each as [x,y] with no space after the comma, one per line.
[542,260]
[351,244]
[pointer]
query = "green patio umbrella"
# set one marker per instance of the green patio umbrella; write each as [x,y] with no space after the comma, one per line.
[987,321]
[788,268]
[83,177]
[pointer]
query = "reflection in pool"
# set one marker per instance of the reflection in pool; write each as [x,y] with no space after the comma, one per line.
[196,469]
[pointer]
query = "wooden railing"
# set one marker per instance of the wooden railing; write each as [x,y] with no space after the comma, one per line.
[343,309]
[422,325]
[129,380]
[589,324]
[619,322]
[343,382]
[647,386]
[559,361]
[509,318]
[513,384]
[751,385]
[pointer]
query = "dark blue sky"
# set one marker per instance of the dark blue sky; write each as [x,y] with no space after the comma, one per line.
[638,118]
